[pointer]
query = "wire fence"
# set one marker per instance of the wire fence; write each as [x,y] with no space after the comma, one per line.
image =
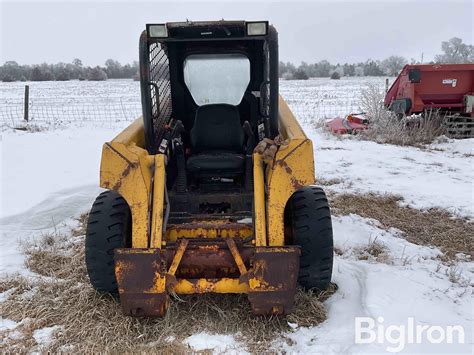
[313,102]
[309,107]
[317,112]
[57,110]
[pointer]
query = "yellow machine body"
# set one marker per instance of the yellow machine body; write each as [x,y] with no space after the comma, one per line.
[155,264]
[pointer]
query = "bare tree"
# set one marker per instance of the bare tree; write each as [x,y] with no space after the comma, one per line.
[393,64]
[455,52]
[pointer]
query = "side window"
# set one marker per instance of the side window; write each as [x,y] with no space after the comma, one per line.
[217,78]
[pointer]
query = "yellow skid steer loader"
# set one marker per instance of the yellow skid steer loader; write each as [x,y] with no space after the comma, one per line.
[212,189]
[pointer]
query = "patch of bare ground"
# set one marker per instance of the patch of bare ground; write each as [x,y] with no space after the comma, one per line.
[328,182]
[89,322]
[432,227]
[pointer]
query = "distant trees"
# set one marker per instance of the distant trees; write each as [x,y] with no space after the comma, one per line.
[349,69]
[286,70]
[324,69]
[300,74]
[455,51]
[42,73]
[372,68]
[12,71]
[393,64]
[335,75]
[97,74]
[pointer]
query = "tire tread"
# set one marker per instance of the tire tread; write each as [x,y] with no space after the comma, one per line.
[108,228]
[312,231]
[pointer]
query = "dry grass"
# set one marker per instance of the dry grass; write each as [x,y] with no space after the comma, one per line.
[90,322]
[328,182]
[385,127]
[432,227]
[373,251]
[31,127]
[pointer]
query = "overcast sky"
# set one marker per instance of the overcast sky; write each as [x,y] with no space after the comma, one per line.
[339,31]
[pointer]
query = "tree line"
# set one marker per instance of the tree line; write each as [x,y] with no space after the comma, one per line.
[453,51]
[12,71]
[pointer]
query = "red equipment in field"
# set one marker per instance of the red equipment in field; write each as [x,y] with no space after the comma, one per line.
[353,123]
[447,87]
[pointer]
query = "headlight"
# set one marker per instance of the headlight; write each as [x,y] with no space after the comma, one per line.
[157,31]
[257,28]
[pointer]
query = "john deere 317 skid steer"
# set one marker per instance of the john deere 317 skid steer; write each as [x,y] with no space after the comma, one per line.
[212,189]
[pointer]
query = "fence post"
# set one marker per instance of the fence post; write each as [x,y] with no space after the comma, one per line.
[26,102]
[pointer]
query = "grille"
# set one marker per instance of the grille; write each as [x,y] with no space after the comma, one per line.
[160,94]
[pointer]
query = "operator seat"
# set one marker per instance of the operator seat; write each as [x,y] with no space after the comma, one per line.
[217,142]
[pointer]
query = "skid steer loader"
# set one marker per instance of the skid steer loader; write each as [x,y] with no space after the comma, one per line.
[212,189]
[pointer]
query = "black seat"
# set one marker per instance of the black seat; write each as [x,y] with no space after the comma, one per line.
[217,142]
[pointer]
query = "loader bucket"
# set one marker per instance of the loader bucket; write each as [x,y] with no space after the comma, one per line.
[145,276]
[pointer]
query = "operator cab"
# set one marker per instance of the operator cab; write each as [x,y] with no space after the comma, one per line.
[217,84]
[209,95]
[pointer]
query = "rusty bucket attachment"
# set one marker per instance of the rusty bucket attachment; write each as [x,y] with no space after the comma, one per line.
[273,278]
[267,274]
[141,279]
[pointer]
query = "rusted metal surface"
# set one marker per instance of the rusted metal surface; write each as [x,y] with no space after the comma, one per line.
[141,277]
[178,256]
[208,229]
[170,276]
[126,168]
[204,259]
[238,259]
[156,233]
[292,169]
[286,176]
[259,201]
[267,274]
[272,280]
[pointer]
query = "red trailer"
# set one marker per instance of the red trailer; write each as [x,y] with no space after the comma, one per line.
[447,87]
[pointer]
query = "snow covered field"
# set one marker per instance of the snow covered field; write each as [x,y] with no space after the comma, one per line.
[118,100]
[47,178]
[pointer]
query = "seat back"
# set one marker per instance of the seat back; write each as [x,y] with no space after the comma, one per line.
[217,128]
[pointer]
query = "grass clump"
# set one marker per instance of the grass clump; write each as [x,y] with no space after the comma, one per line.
[386,127]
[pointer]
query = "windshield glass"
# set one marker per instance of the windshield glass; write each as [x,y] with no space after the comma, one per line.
[217,78]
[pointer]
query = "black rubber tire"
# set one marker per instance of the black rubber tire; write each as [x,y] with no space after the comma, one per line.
[108,228]
[312,231]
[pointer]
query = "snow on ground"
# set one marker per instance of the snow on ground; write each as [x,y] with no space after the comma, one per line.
[44,336]
[215,342]
[52,176]
[46,179]
[49,177]
[7,324]
[410,284]
[424,178]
